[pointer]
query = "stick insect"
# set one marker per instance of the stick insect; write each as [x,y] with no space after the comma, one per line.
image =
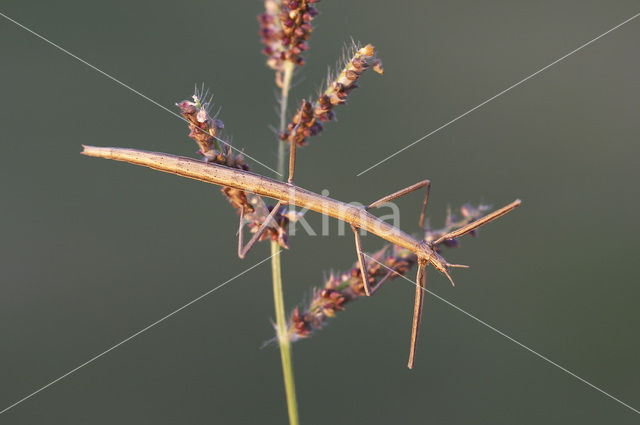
[289,193]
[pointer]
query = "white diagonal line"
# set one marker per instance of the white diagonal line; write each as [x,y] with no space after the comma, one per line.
[513,340]
[498,95]
[91,360]
[114,79]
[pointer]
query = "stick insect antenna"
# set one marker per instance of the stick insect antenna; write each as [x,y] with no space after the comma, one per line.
[446,273]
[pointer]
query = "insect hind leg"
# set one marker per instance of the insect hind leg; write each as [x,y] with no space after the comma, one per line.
[242,251]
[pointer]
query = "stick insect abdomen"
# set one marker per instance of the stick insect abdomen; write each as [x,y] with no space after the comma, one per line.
[245,180]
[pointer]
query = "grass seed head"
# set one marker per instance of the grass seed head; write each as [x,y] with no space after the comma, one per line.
[336,93]
[205,130]
[285,28]
[340,289]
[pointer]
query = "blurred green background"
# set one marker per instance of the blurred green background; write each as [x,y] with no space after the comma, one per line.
[93,251]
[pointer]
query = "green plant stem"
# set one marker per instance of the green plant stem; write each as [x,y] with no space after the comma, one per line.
[284,340]
[284,100]
[283,337]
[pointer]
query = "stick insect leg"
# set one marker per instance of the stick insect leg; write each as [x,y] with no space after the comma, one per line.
[293,144]
[377,286]
[292,161]
[479,222]
[405,191]
[417,311]
[362,264]
[242,251]
[374,289]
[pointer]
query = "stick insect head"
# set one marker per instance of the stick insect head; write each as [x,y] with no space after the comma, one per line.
[427,251]
[443,267]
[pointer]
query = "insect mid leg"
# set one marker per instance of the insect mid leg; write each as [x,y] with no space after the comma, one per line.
[405,191]
[361,262]
[417,311]
[377,286]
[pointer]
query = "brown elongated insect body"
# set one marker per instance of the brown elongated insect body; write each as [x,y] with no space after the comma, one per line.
[288,193]
[260,185]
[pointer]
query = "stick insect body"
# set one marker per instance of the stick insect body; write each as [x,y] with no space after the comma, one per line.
[288,193]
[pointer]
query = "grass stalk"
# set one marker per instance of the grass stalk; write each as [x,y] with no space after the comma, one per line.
[284,100]
[284,341]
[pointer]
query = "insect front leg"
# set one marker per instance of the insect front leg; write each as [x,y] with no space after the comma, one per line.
[479,222]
